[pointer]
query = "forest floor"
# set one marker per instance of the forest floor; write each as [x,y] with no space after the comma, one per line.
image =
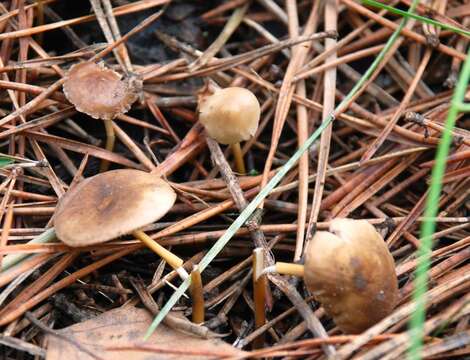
[353,104]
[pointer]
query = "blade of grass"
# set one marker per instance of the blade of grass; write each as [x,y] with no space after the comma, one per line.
[432,206]
[245,214]
[13,259]
[5,162]
[406,14]
[417,318]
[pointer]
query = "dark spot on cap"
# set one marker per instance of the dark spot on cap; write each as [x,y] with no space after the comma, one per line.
[355,263]
[360,281]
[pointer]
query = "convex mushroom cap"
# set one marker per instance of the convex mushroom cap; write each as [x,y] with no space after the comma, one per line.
[351,272]
[230,115]
[98,91]
[111,204]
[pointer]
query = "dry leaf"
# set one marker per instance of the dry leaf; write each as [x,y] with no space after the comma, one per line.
[118,334]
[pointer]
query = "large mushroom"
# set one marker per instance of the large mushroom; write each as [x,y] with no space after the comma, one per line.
[115,203]
[229,116]
[351,272]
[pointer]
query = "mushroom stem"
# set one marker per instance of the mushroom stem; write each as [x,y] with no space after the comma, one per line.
[110,139]
[259,294]
[285,269]
[197,296]
[238,157]
[174,261]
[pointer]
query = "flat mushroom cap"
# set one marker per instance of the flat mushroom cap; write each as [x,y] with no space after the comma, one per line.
[351,272]
[111,204]
[230,115]
[98,91]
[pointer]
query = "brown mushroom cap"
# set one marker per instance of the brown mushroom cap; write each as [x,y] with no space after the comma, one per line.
[111,204]
[351,272]
[98,91]
[230,115]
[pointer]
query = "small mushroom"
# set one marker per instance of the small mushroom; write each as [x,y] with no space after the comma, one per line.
[112,204]
[351,272]
[101,93]
[98,91]
[229,116]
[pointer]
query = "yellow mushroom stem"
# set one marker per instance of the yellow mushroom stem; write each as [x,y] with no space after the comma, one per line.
[110,139]
[285,269]
[259,294]
[238,158]
[197,296]
[174,261]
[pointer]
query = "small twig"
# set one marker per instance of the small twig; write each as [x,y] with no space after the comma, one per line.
[22,345]
[234,187]
[105,288]
[132,32]
[329,89]
[105,27]
[228,30]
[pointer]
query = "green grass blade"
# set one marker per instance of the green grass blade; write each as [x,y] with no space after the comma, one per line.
[464,107]
[13,259]
[246,213]
[416,17]
[5,161]
[429,224]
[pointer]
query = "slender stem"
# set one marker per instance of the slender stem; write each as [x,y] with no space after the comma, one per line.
[110,139]
[174,261]
[197,296]
[289,269]
[259,294]
[238,157]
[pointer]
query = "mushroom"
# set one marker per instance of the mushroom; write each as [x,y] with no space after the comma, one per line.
[197,295]
[259,294]
[229,116]
[98,91]
[112,204]
[351,272]
[101,93]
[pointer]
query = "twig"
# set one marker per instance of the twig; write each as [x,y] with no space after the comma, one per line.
[228,30]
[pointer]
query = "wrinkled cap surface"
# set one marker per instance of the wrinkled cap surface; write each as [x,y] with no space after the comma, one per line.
[230,115]
[111,204]
[98,91]
[351,272]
